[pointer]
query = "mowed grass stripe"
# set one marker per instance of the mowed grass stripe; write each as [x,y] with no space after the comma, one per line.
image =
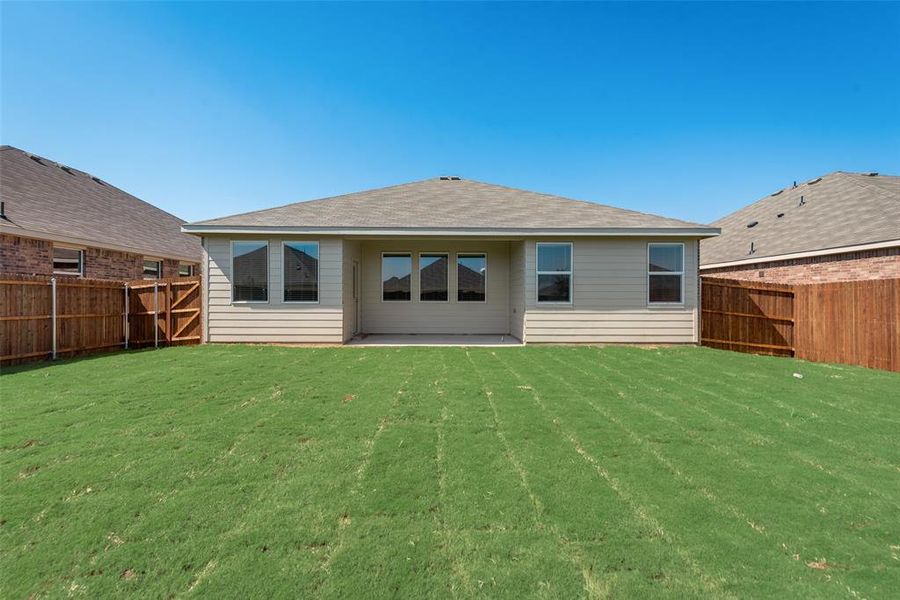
[693,490]
[763,444]
[701,582]
[91,507]
[399,500]
[664,560]
[843,381]
[349,509]
[800,400]
[679,390]
[293,496]
[593,586]
[497,537]
[806,496]
[225,471]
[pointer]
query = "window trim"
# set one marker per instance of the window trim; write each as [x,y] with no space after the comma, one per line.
[80,260]
[189,266]
[159,269]
[486,270]
[651,274]
[419,277]
[413,265]
[268,299]
[570,273]
[318,299]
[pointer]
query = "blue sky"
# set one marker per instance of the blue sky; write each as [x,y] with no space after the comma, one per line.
[689,110]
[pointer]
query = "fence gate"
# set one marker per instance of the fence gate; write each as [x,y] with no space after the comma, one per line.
[165,311]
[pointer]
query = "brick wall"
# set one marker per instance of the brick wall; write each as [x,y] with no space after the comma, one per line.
[27,256]
[867,264]
[100,263]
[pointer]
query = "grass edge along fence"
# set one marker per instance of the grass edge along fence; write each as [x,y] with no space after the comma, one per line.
[47,317]
[850,322]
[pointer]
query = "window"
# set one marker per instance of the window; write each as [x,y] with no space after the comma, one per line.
[250,271]
[68,261]
[301,271]
[152,269]
[554,273]
[433,274]
[665,273]
[396,277]
[471,277]
[185,270]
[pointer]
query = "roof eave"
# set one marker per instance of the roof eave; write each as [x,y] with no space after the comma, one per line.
[36,234]
[687,231]
[804,254]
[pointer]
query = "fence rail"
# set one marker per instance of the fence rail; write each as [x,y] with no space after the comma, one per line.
[45,317]
[853,322]
[747,317]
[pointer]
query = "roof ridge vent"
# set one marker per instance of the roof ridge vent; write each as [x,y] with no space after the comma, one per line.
[98,180]
[37,159]
[449,177]
[68,170]
[814,181]
[871,174]
[778,192]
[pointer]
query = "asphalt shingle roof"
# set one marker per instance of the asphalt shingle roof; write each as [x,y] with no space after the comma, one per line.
[449,204]
[838,210]
[41,195]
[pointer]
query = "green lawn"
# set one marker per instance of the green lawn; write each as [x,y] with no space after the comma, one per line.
[558,472]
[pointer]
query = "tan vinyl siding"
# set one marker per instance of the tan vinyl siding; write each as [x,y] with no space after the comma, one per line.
[517,289]
[275,321]
[351,253]
[436,317]
[610,297]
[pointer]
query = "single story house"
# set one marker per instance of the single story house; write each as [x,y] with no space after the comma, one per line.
[450,256]
[838,227]
[57,220]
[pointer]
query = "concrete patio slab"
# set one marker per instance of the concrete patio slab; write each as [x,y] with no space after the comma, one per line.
[434,340]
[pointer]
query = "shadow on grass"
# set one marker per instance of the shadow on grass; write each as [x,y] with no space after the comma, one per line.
[47,363]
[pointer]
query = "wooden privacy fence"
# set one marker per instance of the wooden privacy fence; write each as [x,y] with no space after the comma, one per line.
[852,322]
[855,322]
[45,317]
[747,316]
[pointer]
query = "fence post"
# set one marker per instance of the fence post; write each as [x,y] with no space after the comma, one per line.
[125,317]
[170,298]
[53,313]
[155,314]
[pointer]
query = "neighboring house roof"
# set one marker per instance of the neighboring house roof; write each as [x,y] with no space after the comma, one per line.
[449,205]
[51,201]
[837,212]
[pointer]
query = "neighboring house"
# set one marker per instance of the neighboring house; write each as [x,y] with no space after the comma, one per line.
[57,220]
[839,227]
[450,256]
